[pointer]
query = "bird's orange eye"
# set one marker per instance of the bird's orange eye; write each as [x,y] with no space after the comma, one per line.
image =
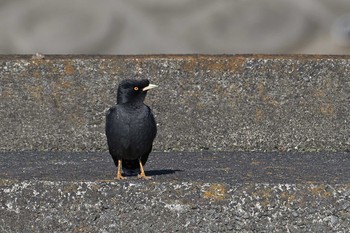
[136,88]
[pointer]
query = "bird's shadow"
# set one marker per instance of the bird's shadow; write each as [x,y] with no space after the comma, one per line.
[161,172]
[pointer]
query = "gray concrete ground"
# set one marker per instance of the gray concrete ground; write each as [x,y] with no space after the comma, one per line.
[227,167]
[190,192]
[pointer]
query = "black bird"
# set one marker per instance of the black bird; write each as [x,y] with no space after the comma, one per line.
[131,128]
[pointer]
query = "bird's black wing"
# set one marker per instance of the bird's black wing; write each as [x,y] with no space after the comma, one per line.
[149,132]
[117,133]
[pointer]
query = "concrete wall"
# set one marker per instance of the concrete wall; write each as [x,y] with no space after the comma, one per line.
[221,103]
[216,103]
[174,207]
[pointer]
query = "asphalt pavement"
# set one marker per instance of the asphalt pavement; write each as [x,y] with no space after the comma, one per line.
[227,167]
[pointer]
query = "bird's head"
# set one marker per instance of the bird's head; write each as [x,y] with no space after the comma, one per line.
[132,91]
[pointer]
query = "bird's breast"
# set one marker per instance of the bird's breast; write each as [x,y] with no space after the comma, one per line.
[140,124]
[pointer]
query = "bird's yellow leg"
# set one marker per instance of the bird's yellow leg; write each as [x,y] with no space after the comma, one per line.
[142,174]
[119,171]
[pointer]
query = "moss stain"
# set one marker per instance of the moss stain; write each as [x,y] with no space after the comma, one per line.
[287,198]
[327,109]
[259,115]
[320,191]
[215,192]
[69,69]
[264,195]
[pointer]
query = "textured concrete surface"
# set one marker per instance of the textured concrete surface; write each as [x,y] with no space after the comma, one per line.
[226,167]
[190,192]
[216,103]
[203,103]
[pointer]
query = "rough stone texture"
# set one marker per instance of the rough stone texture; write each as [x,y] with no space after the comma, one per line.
[42,206]
[216,103]
[249,192]
[202,103]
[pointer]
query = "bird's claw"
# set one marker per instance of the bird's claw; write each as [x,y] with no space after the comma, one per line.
[120,178]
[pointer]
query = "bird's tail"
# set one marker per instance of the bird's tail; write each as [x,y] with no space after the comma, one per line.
[131,167]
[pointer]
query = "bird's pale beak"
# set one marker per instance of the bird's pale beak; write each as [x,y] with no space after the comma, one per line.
[150,86]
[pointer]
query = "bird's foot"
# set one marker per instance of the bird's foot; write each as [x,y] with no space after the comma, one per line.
[120,177]
[142,174]
[143,177]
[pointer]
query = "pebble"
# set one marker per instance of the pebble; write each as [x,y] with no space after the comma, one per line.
[334,220]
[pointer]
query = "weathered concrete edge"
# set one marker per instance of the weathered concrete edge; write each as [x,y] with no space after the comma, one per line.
[194,206]
[255,106]
[171,56]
